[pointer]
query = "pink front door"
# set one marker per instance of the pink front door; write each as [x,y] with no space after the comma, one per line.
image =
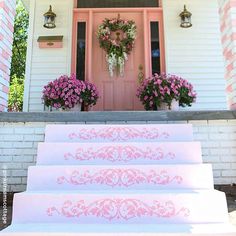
[118,93]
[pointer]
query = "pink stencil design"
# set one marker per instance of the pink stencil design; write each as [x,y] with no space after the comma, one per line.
[118,134]
[120,178]
[118,209]
[119,154]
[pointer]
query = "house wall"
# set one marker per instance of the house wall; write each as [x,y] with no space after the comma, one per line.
[194,53]
[44,65]
[19,142]
[7,14]
[227,13]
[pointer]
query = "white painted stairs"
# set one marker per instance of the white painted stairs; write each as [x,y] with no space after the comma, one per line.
[120,180]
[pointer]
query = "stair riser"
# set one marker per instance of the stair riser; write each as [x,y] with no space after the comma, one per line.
[119,154]
[209,207]
[118,133]
[120,177]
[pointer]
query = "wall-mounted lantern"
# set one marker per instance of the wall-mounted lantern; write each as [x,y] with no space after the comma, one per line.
[185,18]
[49,19]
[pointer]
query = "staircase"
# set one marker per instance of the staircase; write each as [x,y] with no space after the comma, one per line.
[120,179]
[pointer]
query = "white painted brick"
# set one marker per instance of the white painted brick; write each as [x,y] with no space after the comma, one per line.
[6,145]
[234,165]
[211,159]
[39,131]
[227,129]
[4,130]
[34,137]
[31,151]
[23,159]
[178,122]
[21,173]
[207,129]
[8,188]
[13,137]
[24,180]
[210,144]
[218,136]
[23,145]
[201,137]
[228,144]
[223,180]
[18,188]
[233,151]
[220,151]
[14,152]
[205,152]
[216,173]
[232,122]
[156,122]
[14,166]
[25,166]
[198,122]
[218,122]
[228,158]
[221,166]
[228,173]
[24,130]
[14,180]
[6,159]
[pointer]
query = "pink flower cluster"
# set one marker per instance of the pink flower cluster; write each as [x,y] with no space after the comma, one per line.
[164,89]
[65,92]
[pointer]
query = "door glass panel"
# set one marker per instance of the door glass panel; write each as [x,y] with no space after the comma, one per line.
[155,48]
[116,3]
[81,47]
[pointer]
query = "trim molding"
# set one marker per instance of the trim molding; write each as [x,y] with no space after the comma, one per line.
[122,116]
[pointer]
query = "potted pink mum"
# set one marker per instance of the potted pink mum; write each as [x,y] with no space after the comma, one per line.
[67,92]
[159,90]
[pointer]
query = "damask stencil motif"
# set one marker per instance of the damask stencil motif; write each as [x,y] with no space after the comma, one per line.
[118,209]
[119,154]
[117,134]
[119,178]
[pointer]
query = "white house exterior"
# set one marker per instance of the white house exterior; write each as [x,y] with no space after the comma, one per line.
[194,53]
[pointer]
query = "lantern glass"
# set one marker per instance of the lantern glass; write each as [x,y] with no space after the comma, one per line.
[49,19]
[186,16]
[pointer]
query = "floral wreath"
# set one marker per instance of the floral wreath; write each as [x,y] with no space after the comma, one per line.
[117,49]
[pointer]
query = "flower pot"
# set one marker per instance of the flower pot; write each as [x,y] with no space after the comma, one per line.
[174,105]
[77,107]
[163,107]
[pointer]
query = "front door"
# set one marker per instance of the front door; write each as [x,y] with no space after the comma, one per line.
[118,93]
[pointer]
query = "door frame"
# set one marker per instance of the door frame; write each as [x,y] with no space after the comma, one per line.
[86,15]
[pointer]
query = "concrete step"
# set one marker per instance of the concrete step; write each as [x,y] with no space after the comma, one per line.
[119,153]
[92,177]
[118,133]
[112,207]
[218,229]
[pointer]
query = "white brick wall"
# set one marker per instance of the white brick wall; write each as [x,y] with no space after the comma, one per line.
[19,141]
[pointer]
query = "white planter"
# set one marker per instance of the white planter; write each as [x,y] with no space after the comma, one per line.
[174,106]
[77,107]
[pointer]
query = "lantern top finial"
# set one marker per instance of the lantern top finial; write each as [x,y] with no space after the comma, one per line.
[50,13]
[185,13]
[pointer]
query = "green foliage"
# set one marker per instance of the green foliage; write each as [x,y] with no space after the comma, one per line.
[16,95]
[18,58]
[20,41]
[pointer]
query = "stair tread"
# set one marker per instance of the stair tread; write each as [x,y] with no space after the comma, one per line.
[114,228]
